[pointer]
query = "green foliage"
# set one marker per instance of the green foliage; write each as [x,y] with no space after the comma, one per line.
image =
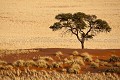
[56,26]
[102,25]
[80,20]
[64,17]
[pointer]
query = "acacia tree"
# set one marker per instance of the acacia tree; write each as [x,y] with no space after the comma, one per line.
[82,25]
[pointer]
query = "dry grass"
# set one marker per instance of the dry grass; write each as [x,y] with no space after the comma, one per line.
[114,58]
[117,64]
[52,75]
[59,53]
[30,63]
[86,56]
[47,58]
[75,68]
[42,63]
[3,62]
[57,64]
[75,53]
[68,68]
[113,70]
[19,63]
[94,65]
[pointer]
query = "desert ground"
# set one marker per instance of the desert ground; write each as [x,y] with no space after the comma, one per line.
[73,64]
[29,50]
[25,23]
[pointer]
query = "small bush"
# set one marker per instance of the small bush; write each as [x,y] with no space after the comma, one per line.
[47,58]
[75,53]
[94,65]
[117,64]
[3,62]
[29,63]
[67,61]
[2,67]
[114,58]
[71,57]
[102,63]
[79,60]
[42,63]
[59,53]
[86,56]
[57,65]
[19,63]
[97,61]
[75,68]
[113,70]
[64,70]
[7,67]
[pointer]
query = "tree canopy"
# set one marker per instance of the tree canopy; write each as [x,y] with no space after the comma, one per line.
[83,26]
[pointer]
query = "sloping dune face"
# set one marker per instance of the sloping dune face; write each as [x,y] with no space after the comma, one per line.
[25,23]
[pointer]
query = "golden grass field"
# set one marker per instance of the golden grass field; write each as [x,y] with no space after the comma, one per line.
[25,23]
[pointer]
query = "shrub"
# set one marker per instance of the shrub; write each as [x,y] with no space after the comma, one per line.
[113,70]
[19,63]
[30,63]
[47,58]
[42,63]
[94,65]
[67,61]
[71,57]
[3,62]
[114,58]
[8,67]
[57,65]
[117,64]
[75,68]
[2,67]
[108,65]
[102,63]
[86,56]
[75,53]
[59,53]
[79,60]
[97,61]
[64,70]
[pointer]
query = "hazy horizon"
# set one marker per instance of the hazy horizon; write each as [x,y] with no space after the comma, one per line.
[25,23]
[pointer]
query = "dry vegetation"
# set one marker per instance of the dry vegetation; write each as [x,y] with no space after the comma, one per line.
[64,68]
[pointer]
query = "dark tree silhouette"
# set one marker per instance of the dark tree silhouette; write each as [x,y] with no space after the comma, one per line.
[82,25]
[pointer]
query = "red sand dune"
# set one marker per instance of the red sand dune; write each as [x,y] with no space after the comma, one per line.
[101,53]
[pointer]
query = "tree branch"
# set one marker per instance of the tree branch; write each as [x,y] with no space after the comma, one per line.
[88,30]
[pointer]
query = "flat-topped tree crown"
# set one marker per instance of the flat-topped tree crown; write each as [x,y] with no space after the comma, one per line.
[82,25]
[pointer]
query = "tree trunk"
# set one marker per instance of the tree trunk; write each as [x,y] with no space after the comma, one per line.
[82,45]
[81,41]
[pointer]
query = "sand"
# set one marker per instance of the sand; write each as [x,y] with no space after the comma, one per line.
[25,23]
[101,53]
